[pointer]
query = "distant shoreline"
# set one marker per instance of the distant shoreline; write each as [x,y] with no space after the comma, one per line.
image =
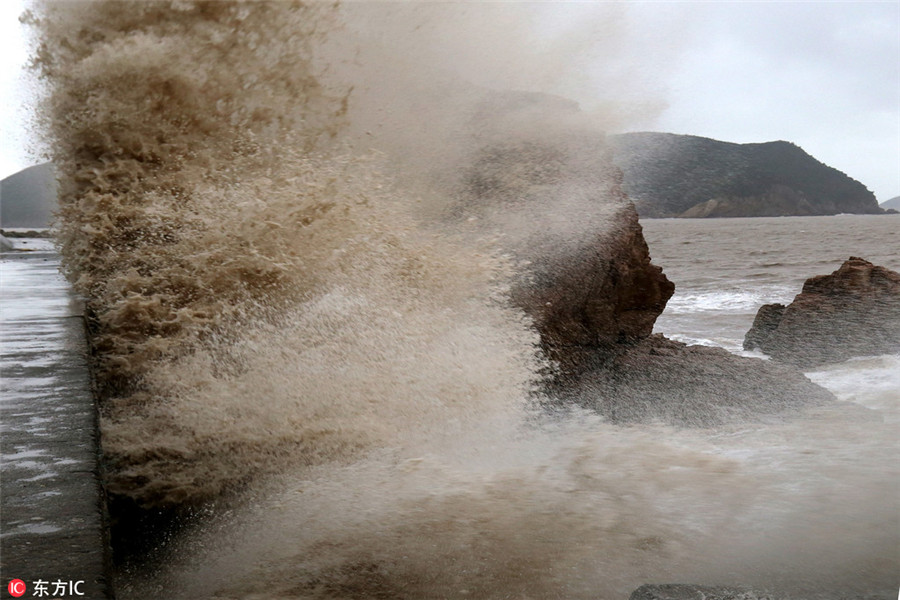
[23,232]
[884,214]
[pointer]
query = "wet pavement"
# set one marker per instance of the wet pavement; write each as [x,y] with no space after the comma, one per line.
[51,515]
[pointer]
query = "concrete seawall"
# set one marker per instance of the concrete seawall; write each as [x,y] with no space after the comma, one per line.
[52,523]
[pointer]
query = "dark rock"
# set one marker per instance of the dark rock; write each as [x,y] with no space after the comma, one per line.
[607,292]
[764,324]
[854,311]
[589,286]
[687,591]
[557,200]
[681,591]
[658,379]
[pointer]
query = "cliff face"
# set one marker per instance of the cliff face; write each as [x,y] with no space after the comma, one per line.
[668,175]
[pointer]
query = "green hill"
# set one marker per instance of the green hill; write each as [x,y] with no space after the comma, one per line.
[669,175]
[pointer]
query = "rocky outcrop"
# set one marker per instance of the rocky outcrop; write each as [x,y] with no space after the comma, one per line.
[767,320]
[556,200]
[658,379]
[682,591]
[586,280]
[605,293]
[670,175]
[854,311]
[687,591]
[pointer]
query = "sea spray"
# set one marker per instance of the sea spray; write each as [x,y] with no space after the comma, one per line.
[270,315]
[578,509]
[496,512]
[206,214]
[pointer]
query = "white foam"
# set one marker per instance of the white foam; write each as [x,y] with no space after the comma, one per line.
[871,381]
[737,300]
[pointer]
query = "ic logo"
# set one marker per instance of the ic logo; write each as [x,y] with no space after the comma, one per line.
[16,588]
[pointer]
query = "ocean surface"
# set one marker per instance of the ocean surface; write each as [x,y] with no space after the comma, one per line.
[725,269]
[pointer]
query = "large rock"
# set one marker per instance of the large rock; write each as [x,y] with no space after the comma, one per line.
[658,379]
[688,591]
[683,591]
[553,196]
[606,292]
[854,311]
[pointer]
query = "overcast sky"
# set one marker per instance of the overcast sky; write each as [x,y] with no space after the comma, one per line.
[13,95]
[824,75]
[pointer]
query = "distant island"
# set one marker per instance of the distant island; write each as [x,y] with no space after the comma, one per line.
[664,174]
[893,203]
[28,198]
[669,175]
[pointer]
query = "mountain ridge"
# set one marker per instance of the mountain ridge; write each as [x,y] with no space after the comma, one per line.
[675,175]
[892,203]
[28,198]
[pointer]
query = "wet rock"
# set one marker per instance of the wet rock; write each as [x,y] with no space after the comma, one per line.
[854,311]
[766,322]
[556,204]
[552,191]
[687,591]
[552,197]
[680,591]
[603,293]
[658,379]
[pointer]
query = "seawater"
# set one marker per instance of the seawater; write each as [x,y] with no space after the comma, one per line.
[282,319]
[725,269]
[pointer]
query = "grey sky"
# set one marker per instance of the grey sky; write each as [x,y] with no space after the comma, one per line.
[824,75]
[13,54]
